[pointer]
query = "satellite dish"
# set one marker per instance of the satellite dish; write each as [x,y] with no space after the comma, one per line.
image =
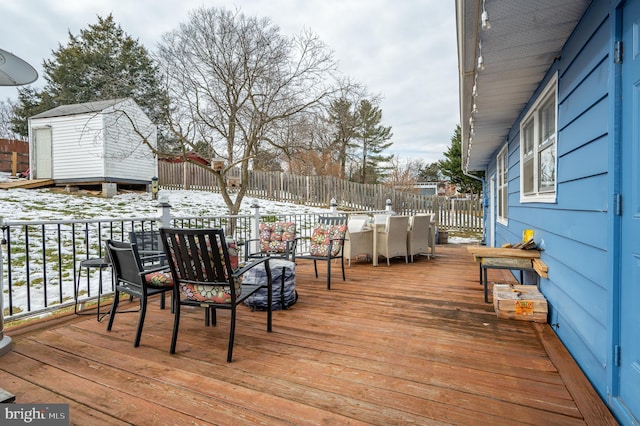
[14,71]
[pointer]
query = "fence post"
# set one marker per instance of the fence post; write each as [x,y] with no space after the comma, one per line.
[14,163]
[5,341]
[255,227]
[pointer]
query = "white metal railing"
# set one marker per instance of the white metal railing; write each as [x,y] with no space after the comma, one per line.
[39,260]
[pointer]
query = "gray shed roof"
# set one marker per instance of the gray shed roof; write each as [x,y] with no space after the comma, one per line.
[75,109]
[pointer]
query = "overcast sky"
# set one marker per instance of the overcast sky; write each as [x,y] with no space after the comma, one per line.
[403,50]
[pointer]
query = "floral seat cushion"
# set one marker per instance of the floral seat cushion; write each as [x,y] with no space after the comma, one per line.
[321,237]
[159,279]
[275,236]
[210,293]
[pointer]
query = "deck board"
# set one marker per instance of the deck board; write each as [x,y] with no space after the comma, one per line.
[410,343]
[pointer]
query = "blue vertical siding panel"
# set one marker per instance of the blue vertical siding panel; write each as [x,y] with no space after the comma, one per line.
[595,22]
[572,193]
[595,312]
[590,363]
[575,66]
[575,228]
[589,265]
[584,95]
[591,125]
[591,159]
[585,227]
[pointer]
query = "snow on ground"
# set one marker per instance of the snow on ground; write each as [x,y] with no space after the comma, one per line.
[49,204]
[55,204]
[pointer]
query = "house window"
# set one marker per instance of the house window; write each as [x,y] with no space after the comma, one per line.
[538,148]
[503,186]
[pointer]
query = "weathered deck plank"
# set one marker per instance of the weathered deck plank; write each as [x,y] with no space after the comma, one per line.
[391,345]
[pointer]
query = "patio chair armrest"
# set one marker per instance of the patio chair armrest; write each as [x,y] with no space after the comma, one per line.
[247,248]
[159,268]
[291,247]
[247,267]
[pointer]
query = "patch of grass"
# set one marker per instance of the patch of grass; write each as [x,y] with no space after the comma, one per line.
[16,310]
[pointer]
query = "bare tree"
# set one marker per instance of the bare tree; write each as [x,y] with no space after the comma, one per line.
[6,117]
[404,174]
[235,84]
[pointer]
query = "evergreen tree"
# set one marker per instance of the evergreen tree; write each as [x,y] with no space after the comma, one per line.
[430,173]
[373,139]
[343,119]
[101,63]
[451,167]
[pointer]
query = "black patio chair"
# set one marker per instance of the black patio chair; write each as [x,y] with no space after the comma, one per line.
[131,277]
[149,246]
[201,268]
[276,239]
[326,244]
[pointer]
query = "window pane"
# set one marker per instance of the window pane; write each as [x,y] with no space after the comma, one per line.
[504,203]
[527,148]
[547,120]
[547,169]
[538,147]
[502,184]
[527,176]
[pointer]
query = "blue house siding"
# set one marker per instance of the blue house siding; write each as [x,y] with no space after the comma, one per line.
[575,230]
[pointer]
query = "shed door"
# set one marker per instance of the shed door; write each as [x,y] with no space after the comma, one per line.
[630,220]
[43,158]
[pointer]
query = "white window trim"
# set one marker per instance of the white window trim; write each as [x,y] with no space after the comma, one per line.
[547,196]
[505,155]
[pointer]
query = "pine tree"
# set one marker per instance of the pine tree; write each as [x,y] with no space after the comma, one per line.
[452,167]
[343,119]
[373,139]
[101,63]
[430,173]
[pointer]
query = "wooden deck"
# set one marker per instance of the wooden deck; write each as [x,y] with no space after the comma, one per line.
[406,344]
[26,183]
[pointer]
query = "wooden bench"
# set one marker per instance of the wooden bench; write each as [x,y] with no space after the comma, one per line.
[507,258]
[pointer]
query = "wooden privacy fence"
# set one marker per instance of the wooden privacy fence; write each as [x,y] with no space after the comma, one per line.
[318,191]
[14,156]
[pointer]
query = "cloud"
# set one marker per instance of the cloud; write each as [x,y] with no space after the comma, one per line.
[404,51]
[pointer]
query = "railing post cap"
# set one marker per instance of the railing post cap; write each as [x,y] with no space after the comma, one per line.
[163,201]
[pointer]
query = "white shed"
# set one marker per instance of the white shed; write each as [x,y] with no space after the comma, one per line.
[93,143]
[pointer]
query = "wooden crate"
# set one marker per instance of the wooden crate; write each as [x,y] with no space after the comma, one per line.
[521,302]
